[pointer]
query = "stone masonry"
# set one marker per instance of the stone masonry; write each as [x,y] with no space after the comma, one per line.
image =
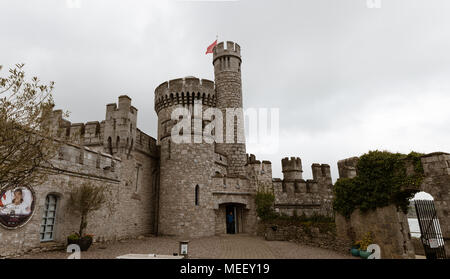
[294,195]
[389,224]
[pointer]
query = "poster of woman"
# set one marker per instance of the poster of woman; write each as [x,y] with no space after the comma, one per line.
[16,206]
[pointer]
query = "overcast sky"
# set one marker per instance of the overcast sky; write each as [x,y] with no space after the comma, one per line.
[346,78]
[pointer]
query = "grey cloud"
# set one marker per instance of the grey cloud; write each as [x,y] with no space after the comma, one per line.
[346,78]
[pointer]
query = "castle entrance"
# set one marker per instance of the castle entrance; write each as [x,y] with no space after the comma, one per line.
[234,218]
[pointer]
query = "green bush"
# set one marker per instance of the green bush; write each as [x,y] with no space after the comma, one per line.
[73,236]
[264,205]
[381,180]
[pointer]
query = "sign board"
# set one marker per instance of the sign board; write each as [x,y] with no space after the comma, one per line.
[434,243]
[16,206]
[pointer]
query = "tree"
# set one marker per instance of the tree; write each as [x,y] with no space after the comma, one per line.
[86,199]
[25,142]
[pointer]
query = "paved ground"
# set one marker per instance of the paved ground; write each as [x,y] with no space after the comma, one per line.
[217,247]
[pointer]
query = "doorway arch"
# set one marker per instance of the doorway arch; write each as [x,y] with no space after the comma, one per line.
[425,228]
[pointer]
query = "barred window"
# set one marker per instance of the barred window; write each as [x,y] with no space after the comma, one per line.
[47,232]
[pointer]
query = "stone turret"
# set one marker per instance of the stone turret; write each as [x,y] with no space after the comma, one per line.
[347,167]
[292,168]
[185,167]
[322,173]
[227,71]
[120,126]
[182,92]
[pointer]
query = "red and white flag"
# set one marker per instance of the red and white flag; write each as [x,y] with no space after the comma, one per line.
[211,47]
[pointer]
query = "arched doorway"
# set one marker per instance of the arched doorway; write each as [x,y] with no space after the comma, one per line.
[414,227]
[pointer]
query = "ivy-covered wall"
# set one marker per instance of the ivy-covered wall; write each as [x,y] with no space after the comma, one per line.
[378,185]
[382,179]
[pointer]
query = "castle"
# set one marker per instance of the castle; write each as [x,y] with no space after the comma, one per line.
[156,186]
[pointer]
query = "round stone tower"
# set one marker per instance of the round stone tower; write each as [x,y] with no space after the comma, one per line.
[185,196]
[227,74]
[292,168]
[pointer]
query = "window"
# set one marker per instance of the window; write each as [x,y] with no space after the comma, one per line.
[197,190]
[48,219]
[138,167]
[110,146]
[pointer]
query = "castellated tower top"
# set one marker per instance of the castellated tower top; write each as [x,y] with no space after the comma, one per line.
[233,49]
[291,164]
[292,168]
[183,91]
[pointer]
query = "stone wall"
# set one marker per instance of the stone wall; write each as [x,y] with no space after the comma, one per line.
[319,235]
[389,227]
[85,157]
[437,183]
[388,223]
[127,212]
[418,246]
[294,195]
[189,165]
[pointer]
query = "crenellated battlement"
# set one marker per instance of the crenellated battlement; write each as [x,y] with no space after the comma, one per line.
[295,194]
[251,159]
[347,167]
[81,160]
[146,144]
[260,173]
[292,168]
[90,133]
[120,123]
[321,172]
[232,49]
[183,91]
[291,164]
[124,106]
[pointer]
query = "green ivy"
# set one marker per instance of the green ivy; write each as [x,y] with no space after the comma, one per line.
[382,179]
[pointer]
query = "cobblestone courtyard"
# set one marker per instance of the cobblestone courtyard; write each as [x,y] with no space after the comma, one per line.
[217,247]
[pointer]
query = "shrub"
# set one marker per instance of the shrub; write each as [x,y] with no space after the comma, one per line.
[264,205]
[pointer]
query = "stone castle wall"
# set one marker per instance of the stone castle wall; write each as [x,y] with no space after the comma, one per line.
[390,225]
[437,183]
[128,176]
[294,195]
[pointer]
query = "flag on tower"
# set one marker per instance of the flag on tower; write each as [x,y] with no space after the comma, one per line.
[211,47]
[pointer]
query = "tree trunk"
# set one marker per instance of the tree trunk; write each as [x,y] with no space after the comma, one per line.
[83,225]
